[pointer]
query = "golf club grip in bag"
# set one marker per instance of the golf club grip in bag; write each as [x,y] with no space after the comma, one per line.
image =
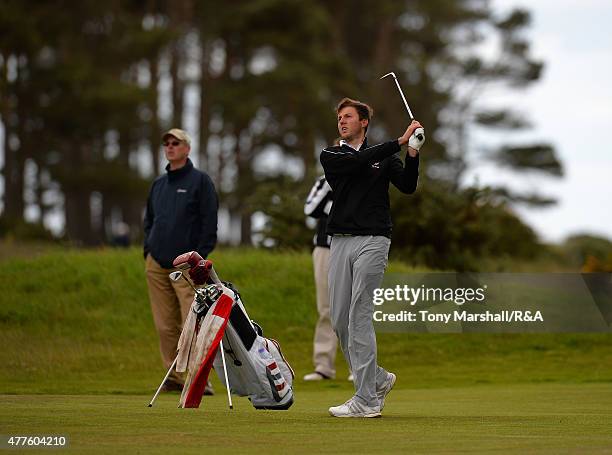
[255,365]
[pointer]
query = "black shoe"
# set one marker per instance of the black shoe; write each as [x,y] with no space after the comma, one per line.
[172,386]
[208,390]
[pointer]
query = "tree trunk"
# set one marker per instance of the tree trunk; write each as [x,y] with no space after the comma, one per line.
[307,143]
[177,84]
[107,234]
[382,56]
[244,187]
[78,216]
[155,129]
[77,195]
[205,101]
[245,226]
[14,165]
[14,161]
[129,204]
[40,192]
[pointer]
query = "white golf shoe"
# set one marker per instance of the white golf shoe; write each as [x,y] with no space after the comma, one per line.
[385,389]
[315,376]
[352,408]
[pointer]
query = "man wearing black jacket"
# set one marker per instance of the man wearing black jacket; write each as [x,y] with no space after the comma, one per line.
[181,216]
[360,226]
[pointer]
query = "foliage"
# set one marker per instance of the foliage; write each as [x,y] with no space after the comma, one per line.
[579,246]
[457,230]
[74,109]
[537,157]
[592,253]
[282,200]
[23,231]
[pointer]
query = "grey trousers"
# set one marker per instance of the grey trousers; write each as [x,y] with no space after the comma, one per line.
[356,268]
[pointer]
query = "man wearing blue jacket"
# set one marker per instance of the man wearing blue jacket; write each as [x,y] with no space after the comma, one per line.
[181,216]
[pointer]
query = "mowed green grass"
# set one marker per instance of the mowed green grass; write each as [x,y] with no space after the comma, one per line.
[79,356]
[519,418]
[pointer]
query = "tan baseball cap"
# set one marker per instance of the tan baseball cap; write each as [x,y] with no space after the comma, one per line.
[179,134]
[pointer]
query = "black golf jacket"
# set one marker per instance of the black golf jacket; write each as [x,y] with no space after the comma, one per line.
[360,183]
[181,215]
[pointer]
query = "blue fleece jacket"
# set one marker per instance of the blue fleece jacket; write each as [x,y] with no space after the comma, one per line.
[181,215]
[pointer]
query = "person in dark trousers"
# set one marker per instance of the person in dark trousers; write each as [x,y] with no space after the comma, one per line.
[318,205]
[360,226]
[181,216]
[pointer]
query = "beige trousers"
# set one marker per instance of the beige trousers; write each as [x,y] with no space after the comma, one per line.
[325,340]
[170,304]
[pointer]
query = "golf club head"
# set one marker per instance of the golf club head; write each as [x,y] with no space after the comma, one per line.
[389,74]
[176,275]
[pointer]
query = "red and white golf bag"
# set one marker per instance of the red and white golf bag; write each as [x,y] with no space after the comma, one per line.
[255,365]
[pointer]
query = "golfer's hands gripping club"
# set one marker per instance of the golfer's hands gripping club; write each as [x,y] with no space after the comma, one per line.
[414,136]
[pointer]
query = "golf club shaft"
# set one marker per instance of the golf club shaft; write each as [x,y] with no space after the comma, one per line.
[403,98]
[227,384]
[213,276]
[188,282]
[163,381]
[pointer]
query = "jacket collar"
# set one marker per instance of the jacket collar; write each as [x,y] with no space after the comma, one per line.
[363,145]
[180,172]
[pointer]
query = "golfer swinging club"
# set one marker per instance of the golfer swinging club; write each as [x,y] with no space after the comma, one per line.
[360,226]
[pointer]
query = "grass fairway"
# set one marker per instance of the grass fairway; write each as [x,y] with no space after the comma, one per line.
[519,418]
[79,357]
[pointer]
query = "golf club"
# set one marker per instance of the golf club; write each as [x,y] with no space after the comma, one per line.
[418,137]
[176,275]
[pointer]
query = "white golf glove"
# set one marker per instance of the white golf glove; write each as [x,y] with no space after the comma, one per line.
[417,139]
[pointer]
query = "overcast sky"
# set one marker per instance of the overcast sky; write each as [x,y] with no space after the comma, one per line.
[570,107]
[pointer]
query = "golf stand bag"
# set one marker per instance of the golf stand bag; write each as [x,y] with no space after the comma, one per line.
[255,365]
[219,333]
